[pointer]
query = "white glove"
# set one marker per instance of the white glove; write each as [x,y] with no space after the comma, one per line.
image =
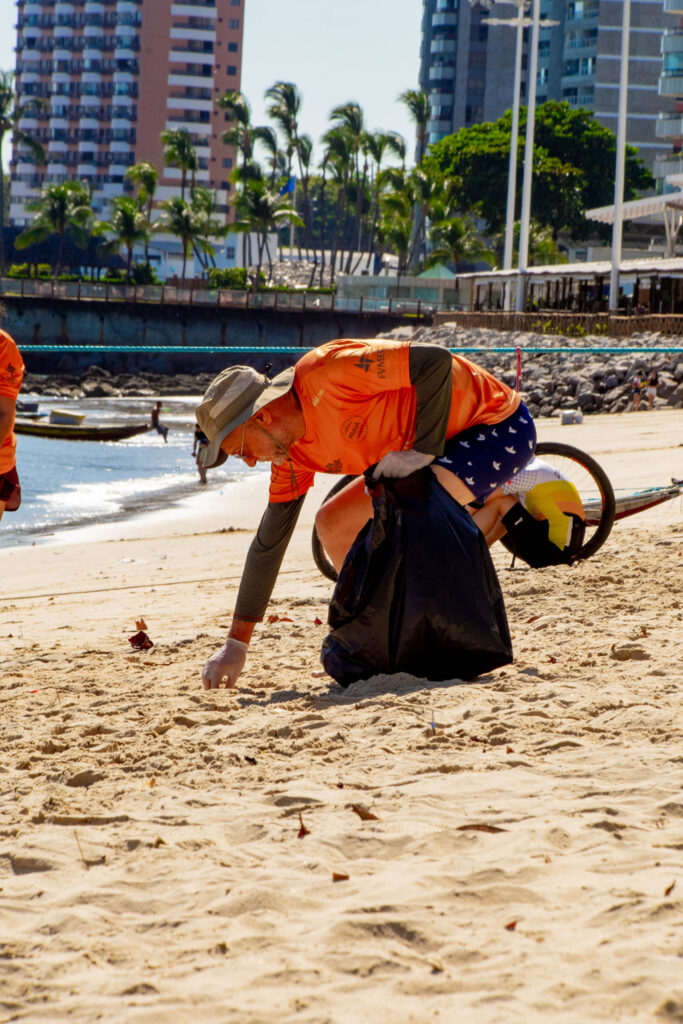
[225,664]
[403,463]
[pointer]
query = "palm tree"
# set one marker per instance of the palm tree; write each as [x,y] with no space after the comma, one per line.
[284,110]
[377,145]
[349,116]
[261,210]
[417,104]
[179,151]
[63,209]
[180,219]
[129,226]
[338,157]
[456,240]
[203,208]
[145,176]
[11,114]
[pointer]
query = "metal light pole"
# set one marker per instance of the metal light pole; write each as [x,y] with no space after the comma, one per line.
[520,22]
[528,156]
[617,224]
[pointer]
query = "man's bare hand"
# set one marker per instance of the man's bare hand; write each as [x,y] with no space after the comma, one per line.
[225,665]
[400,464]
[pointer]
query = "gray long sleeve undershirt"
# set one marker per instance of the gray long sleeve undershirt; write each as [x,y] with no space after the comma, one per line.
[430,368]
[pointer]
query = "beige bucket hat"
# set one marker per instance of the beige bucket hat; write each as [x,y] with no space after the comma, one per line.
[231,399]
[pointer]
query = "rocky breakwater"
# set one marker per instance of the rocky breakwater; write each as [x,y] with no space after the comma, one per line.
[577,379]
[96,382]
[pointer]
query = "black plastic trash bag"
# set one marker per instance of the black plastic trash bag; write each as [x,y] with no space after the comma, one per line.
[417,592]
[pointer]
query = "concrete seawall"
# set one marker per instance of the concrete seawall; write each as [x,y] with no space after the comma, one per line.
[33,321]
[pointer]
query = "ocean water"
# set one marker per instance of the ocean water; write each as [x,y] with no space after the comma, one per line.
[66,484]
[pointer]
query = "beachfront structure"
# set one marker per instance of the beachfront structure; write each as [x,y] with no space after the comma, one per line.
[111,76]
[467,67]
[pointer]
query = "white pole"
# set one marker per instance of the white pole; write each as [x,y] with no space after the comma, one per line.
[512,166]
[617,225]
[528,155]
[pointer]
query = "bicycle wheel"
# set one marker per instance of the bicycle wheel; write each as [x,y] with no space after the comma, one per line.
[595,491]
[319,555]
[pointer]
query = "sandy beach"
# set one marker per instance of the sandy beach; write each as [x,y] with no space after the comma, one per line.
[505,850]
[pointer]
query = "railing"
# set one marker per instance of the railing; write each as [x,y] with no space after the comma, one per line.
[568,324]
[292,302]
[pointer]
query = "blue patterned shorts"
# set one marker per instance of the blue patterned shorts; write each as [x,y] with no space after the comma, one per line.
[486,456]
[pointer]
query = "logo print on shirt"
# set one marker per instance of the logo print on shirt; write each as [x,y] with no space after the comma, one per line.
[354,429]
[10,376]
[364,363]
[334,467]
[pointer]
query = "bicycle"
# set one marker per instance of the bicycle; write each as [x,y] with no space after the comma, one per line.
[581,469]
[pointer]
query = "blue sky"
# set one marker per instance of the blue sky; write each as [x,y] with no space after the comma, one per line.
[334,50]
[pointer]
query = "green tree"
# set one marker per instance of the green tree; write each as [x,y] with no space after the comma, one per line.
[574,162]
[187,223]
[11,114]
[456,240]
[145,176]
[128,224]
[262,211]
[180,152]
[62,209]
[417,105]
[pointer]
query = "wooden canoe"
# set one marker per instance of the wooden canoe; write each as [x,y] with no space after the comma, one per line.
[80,432]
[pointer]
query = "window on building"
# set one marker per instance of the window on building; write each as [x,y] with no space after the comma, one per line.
[232,47]
[231,69]
[227,161]
[230,252]
[233,23]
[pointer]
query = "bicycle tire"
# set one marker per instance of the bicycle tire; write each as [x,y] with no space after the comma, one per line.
[594,487]
[595,536]
[319,555]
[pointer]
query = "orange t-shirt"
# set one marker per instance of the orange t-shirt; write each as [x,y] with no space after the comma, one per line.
[11,376]
[358,404]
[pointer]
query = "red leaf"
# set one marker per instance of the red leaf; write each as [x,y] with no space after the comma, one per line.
[285,618]
[303,831]
[272,618]
[140,624]
[670,888]
[509,750]
[532,619]
[339,876]
[553,661]
[511,926]
[317,622]
[140,641]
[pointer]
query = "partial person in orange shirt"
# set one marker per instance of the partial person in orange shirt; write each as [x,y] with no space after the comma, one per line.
[346,406]
[11,376]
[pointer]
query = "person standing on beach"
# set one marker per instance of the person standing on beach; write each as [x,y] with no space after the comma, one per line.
[200,443]
[11,376]
[346,406]
[651,391]
[160,428]
[637,387]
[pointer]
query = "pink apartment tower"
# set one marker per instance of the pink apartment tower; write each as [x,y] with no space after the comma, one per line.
[111,76]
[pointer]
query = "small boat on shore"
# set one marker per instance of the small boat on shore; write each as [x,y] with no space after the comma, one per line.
[80,431]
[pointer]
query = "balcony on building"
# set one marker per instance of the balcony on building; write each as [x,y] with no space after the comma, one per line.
[668,163]
[444,18]
[673,6]
[669,126]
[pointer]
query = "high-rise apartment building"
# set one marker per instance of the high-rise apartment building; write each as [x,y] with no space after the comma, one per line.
[111,75]
[467,67]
